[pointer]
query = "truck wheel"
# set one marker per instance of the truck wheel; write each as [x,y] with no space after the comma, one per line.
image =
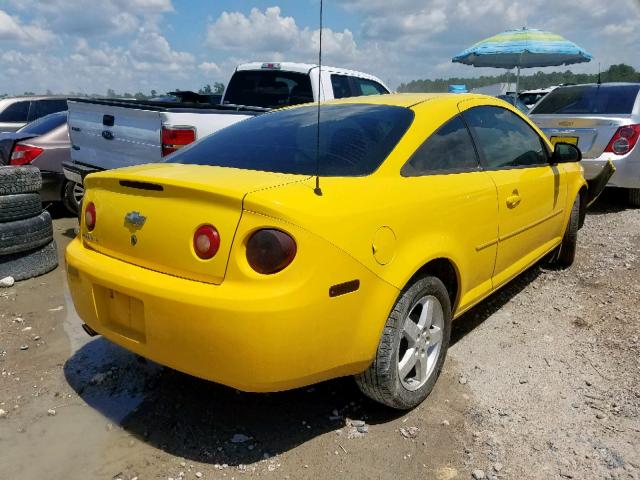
[25,265]
[412,348]
[634,197]
[26,234]
[14,180]
[72,196]
[17,207]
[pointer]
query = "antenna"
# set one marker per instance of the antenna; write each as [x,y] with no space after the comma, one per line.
[599,79]
[317,190]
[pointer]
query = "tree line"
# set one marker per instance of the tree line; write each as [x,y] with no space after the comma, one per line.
[615,73]
[216,89]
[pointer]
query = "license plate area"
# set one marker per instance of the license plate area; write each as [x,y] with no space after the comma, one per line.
[120,313]
[556,139]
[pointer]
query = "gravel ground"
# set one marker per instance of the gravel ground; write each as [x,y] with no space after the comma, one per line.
[541,382]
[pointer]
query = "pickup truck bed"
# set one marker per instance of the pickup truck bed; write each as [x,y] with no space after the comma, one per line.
[118,133]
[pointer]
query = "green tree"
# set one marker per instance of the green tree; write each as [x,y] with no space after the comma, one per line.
[218,87]
[111,93]
[206,90]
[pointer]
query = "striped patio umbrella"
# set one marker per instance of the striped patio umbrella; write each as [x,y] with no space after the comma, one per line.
[524,48]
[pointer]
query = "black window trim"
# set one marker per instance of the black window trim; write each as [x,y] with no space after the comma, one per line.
[450,171]
[483,160]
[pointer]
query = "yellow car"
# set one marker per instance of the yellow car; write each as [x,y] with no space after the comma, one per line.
[232,261]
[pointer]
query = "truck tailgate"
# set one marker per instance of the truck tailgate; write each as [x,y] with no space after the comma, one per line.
[107,136]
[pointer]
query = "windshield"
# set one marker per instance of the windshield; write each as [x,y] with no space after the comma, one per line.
[45,124]
[354,140]
[268,88]
[589,99]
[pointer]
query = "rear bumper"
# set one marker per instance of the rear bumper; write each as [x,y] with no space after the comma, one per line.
[76,172]
[627,174]
[243,336]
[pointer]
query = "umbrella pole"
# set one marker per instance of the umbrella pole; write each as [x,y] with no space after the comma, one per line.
[517,82]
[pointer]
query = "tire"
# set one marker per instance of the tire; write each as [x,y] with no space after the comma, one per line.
[633,196]
[382,381]
[15,180]
[566,253]
[22,266]
[17,207]
[72,197]
[24,235]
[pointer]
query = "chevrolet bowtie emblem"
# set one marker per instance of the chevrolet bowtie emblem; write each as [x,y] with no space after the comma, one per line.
[134,219]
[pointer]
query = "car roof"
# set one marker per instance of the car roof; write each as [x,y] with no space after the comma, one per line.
[303,68]
[36,97]
[602,85]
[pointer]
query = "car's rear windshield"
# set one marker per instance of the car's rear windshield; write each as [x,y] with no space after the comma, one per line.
[589,100]
[268,88]
[354,140]
[45,124]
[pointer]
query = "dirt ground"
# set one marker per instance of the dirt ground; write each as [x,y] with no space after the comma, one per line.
[542,381]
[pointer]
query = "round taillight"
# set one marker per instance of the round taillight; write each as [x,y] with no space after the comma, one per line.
[90,216]
[621,146]
[270,251]
[206,241]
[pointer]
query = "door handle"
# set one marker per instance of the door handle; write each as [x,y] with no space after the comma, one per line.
[513,201]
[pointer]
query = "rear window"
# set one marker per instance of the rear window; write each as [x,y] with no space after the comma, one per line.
[589,99]
[45,124]
[354,141]
[268,89]
[15,112]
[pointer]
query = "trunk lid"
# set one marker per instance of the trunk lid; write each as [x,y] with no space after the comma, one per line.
[147,215]
[108,136]
[592,133]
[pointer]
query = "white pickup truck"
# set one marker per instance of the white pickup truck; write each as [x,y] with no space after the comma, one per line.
[108,134]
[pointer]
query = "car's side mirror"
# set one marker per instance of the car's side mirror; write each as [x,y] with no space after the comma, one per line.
[566,153]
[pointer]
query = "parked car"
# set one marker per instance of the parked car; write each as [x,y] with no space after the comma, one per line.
[603,120]
[531,97]
[45,144]
[110,134]
[515,101]
[16,112]
[424,205]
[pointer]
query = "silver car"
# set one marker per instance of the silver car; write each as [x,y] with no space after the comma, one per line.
[16,112]
[603,120]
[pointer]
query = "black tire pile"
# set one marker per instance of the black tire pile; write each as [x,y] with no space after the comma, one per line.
[27,248]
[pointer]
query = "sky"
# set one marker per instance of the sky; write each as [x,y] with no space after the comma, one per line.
[90,46]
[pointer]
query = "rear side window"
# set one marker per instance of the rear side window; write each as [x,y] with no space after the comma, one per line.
[341,86]
[45,124]
[363,86]
[40,108]
[16,112]
[354,141]
[504,139]
[588,100]
[449,150]
[268,89]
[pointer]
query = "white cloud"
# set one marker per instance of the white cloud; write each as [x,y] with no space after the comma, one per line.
[209,68]
[270,35]
[12,30]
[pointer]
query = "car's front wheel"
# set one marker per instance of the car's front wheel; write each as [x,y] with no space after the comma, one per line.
[412,348]
[633,194]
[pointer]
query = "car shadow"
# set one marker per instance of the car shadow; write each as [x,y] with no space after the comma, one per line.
[57,210]
[611,200]
[206,422]
[468,321]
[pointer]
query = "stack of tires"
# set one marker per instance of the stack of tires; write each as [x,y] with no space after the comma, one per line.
[27,248]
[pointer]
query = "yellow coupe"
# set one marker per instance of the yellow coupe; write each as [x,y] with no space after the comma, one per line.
[227,263]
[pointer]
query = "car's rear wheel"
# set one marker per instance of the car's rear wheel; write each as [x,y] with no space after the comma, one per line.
[412,348]
[565,254]
[72,196]
[633,196]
